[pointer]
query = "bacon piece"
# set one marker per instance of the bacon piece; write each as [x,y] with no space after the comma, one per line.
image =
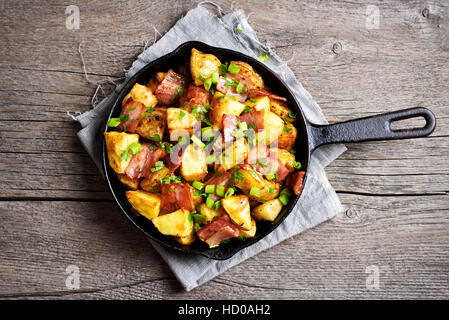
[224,233]
[262,92]
[170,88]
[134,111]
[258,152]
[271,165]
[196,96]
[229,126]
[218,230]
[218,180]
[175,196]
[231,90]
[256,117]
[154,156]
[137,166]
[294,182]
[173,159]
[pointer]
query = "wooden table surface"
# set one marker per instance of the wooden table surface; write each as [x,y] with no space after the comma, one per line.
[56,210]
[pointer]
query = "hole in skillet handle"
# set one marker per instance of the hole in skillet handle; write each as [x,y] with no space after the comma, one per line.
[174,60]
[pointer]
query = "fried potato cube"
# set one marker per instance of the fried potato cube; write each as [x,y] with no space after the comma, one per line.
[209,213]
[279,108]
[267,211]
[142,94]
[260,103]
[202,66]
[153,182]
[250,178]
[178,119]
[178,223]
[147,204]
[186,240]
[249,233]
[287,138]
[237,207]
[153,124]
[193,164]
[221,105]
[273,128]
[234,154]
[132,184]
[116,144]
[247,72]
[287,158]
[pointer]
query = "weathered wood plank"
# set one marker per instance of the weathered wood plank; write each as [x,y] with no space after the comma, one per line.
[406,237]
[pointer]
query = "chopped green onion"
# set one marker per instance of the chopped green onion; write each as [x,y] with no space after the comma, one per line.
[181,115]
[207,122]
[239,31]
[287,129]
[270,177]
[207,132]
[207,83]
[243,126]
[217,205]
[190,218]
[197,185]
[291,114]
[284,196]
[297,165]
[198,218]
[272,190]
[150,109]
[220,191]
[155,137]
[113,122]
[254,191]
[209,202]
[233,68]
[214,246]
[198,142]
[124,117]
[223,68]
[215,78]
[125,155]
[247,109]
[238,134]
[157,166]
[210,188]
[292,151]
[132,108]
[239,88]
[201,78]
[135,147]
[196,227]
[183,140]
[229,192]
[210,159]
[264,57]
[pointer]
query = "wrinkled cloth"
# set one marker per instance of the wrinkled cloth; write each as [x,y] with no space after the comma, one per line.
[319,201]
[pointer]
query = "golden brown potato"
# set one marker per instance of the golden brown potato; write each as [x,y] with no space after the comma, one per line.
[223,105]
[249,233]
[186,240]
[178,223]
[142,94]
[202,66]
[255,79]
[147,204]
[132,184]
[267,211]
[237,207]
[209,213]
[178,119]
[197,200]
[287,137]
[234,154]
[273,128]
[287,158]
[153,124]
[116,144]
[250,178]
[279,108]
[193,164]
[153,182]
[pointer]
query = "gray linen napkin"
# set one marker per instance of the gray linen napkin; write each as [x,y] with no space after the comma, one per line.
[318,203]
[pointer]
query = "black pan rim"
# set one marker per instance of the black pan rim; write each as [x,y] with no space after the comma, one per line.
[209,253]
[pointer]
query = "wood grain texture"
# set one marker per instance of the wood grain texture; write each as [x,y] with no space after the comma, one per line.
[56,209]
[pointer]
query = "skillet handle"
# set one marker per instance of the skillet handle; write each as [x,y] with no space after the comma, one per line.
[371,128]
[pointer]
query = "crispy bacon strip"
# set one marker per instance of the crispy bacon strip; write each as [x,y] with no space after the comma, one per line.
[133,110]
[271,164]
[218,230]
[256,117]
[231,89]
[171,87]
[229,126]
[138,164]
[175,196]
[196,96]
[294,182]
[219,180]
[262,92]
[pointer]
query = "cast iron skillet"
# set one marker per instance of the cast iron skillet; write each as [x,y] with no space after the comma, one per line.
[310,136]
